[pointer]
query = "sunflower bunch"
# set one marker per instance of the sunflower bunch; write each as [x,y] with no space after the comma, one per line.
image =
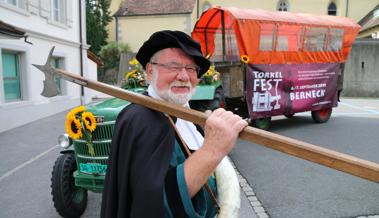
[136,77]
[81,123]
[210,76]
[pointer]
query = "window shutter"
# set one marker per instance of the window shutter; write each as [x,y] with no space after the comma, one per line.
[45,8]
[69,9]
[33,6]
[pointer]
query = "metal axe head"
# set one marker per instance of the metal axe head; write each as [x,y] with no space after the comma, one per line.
[49,86]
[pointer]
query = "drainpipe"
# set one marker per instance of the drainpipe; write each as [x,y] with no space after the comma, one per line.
[116,27]
[197,9]
[81,51]
[347,8]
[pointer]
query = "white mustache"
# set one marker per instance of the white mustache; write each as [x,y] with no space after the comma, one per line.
[178,83]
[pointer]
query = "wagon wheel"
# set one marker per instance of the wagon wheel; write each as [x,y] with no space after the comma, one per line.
[262,123]
[321,116]
[289,115]
[69,200]
[217,102]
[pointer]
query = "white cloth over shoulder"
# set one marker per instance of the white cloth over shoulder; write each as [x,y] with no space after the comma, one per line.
[228,189]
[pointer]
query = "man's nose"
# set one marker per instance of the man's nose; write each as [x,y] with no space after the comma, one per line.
[183,74]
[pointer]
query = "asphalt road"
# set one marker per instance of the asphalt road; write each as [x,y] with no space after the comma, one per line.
[289,187]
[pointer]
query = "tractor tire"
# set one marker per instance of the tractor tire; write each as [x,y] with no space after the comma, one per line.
[321,116]
[69,200]
[217,102]
[261,123]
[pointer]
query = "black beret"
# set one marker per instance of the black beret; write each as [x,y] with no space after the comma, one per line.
[172,39]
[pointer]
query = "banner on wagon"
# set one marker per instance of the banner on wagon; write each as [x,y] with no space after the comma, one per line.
[279,89]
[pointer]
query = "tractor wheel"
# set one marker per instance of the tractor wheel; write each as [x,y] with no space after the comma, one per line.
[69,200]
[217,102]
[262,123]
[321,116]
[289,115]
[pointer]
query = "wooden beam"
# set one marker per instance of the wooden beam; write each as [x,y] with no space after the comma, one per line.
[326,157]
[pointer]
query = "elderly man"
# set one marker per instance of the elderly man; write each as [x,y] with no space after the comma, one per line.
[148,173]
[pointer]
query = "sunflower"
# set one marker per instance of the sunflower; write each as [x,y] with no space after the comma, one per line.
[245,59]
[89,121]
[131,74]
[133,61]
[209,73]
[73,127]
[77,110]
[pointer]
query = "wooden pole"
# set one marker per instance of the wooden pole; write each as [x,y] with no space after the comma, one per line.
[333,159]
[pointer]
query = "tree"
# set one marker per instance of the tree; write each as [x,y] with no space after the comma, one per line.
[110,54]
[97,18]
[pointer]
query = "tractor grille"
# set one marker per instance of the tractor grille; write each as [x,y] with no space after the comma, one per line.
[103,131]
[102,137]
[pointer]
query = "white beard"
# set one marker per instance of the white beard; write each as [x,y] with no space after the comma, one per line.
[168,95]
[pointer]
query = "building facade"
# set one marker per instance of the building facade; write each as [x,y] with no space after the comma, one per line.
[44,24]
[132,24]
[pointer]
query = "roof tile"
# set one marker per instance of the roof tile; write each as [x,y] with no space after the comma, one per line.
[149,7]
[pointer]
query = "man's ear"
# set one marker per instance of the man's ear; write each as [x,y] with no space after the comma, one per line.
[149,72]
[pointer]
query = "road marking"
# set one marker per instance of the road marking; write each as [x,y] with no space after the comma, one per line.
[12,171]
[370,107]
[359,108]
[352,113]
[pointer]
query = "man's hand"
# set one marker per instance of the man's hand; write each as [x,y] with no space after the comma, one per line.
[221,131]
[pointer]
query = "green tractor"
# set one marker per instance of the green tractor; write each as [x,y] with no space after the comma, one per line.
[82,165]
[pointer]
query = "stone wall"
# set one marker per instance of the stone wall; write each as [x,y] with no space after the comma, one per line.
[361,75]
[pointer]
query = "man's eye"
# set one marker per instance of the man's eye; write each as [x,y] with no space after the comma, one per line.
[174,68]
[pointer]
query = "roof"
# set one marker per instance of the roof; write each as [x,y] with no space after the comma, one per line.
[156,7]
[257,33]
[371,20]
[285,17]
[94,58]
[10,31]
[371,24]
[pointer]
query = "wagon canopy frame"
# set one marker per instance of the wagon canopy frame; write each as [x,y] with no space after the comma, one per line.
[227,33]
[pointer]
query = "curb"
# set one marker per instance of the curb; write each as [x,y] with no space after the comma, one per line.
[258,208]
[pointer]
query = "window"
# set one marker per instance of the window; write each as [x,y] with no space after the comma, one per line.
[332,9]
[335,39]
[283,5]
[315,39]
[267,37]
[289,38]
[59,11]
[18,3]
[231,48]
[11,76]
[57,63]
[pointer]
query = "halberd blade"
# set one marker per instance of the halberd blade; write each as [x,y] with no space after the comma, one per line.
[49,86]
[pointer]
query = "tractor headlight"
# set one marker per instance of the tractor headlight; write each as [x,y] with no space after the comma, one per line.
[64,141]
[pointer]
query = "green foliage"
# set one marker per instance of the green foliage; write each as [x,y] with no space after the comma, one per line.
[97,18]
[110,53]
